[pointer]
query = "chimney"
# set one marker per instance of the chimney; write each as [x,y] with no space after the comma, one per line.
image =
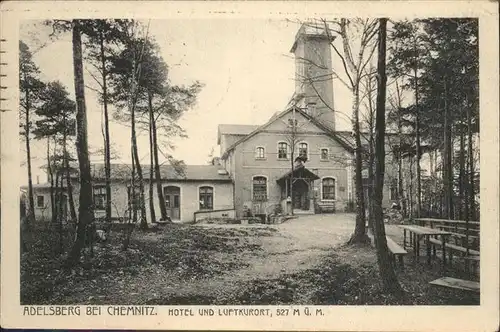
[38,179]
[313,71]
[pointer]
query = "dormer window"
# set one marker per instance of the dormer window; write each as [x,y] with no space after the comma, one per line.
[260,153]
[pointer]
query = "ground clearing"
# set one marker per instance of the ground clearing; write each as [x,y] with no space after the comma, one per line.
[303,261]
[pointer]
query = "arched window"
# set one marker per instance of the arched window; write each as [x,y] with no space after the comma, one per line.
[328,189]
[303,150]
[260,153]
[206,198]
[259,188]
[282,150]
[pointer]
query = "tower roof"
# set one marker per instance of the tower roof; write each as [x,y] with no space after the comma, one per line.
[311,30]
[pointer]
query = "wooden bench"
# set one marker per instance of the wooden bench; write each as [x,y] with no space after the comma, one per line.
[326,207]
[462,237]
[467,285]
[451,248]
[474,261]
[475,230]
[396,251]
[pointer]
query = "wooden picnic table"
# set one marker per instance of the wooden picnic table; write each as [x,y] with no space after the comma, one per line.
[445,221]
[417,233]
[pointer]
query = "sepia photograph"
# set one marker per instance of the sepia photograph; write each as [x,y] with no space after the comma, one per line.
[320,161]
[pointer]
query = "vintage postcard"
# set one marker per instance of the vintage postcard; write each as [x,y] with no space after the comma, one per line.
[250,165]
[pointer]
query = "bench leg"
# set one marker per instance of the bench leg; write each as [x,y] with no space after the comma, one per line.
[418,245]
[428,245]
[444,251]
[434,250]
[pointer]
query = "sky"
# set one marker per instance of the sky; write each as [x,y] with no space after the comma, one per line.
[244,64]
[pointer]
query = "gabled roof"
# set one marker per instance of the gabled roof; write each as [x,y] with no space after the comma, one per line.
[45,185]
[298,172]
[234,129]
[345,144]
[168,172]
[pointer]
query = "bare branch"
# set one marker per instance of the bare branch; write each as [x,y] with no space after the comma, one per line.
[95,78]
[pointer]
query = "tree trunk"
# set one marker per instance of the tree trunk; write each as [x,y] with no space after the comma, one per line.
[133,189]
[389,279]
[31,201]
[142,203]
[371,157]
[399,156]
[69,185]
[132,206]
[471,194]
[135,156]
[151,173]
[359,235]
[292,167]
[401,196]
[371,179]
[159,187]
[85,213]
[59,195]
[410,188]
[51,179]
[461,175]
[107,161]
[447,167]
[418,152]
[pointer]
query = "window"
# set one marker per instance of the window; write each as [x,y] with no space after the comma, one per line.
[206,198]
[328,189]
[292,122]
[311,108]
[324,154]
[40,201]
[259,188]
[303,150]
[282,150]
[99,197]
[260,153]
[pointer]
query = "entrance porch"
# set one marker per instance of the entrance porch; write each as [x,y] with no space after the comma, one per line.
[297,194]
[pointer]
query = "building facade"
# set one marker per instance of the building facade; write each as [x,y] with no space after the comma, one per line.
[196,191]
[297,162]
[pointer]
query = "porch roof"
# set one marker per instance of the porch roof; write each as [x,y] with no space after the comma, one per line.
[299,172]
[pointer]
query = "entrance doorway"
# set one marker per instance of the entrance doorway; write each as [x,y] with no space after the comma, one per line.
[300,195]
[172,196]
